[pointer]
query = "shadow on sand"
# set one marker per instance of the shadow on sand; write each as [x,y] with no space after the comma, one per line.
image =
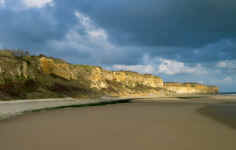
[224,113]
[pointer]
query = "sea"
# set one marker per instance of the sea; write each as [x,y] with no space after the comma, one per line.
[227,93]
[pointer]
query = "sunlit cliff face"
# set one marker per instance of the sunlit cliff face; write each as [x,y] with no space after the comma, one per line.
[85,78]
[100,79]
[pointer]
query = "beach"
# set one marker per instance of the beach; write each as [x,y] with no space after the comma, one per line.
[206,123]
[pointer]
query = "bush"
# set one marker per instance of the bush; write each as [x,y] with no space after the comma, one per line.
[19,88]
[20,53]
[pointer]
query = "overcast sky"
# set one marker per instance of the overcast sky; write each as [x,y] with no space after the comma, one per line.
[178,40]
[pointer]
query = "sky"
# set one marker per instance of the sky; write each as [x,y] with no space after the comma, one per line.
[180,41]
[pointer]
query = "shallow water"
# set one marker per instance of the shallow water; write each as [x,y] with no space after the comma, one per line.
[138,126]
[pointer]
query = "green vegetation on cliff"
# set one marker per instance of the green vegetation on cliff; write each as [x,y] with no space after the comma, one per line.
[23,76]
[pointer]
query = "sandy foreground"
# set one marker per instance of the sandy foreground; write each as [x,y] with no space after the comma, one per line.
[193,123]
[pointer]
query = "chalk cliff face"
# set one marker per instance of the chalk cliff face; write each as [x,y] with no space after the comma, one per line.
[54,77]
[190,88]
[100,79]
[60,69]
[119,83]
[13,68]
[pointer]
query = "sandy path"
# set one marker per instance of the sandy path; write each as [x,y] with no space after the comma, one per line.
[13,108]
[131,126]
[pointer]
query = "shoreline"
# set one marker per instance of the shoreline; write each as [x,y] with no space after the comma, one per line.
[13,108]
[19,107]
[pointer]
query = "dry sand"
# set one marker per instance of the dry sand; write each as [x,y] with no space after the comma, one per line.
[141,125]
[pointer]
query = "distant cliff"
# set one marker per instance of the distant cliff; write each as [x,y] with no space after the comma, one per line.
[190,88]
[25,76]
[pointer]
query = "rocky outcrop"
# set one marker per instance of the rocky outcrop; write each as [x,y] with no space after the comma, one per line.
[60,69]
[12,68]
[100,79]
[126,82]
[190,88]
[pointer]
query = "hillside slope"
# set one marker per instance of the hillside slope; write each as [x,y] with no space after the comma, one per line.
[23,76]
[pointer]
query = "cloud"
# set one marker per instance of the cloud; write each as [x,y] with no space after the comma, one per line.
[132,29]
[86,42]
[186,23]
[163,66]
[2,3]
[87,39]
[97,36]
[227,80]
[172,67]
[38,3]
[145,69]
[85,35]
[228,64]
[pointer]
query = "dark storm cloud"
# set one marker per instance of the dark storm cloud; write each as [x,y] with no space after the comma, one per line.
[184,23]
[184,30]
[221,50]
[32,28]
[168,28]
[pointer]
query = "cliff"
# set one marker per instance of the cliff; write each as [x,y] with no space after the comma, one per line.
[120,83]
[98,77]
[25,76]
[190,88]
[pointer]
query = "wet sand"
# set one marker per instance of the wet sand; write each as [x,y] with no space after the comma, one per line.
[224,113]
[137,126]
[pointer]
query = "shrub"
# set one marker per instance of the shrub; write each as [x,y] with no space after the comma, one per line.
[20,53]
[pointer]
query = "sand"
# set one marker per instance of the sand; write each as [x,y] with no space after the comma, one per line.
[18,107]
[144,124]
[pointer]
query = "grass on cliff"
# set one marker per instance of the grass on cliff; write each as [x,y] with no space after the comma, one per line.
[39,85]
[46,86]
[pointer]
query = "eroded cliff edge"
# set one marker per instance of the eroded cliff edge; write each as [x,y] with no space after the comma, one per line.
[28,76]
